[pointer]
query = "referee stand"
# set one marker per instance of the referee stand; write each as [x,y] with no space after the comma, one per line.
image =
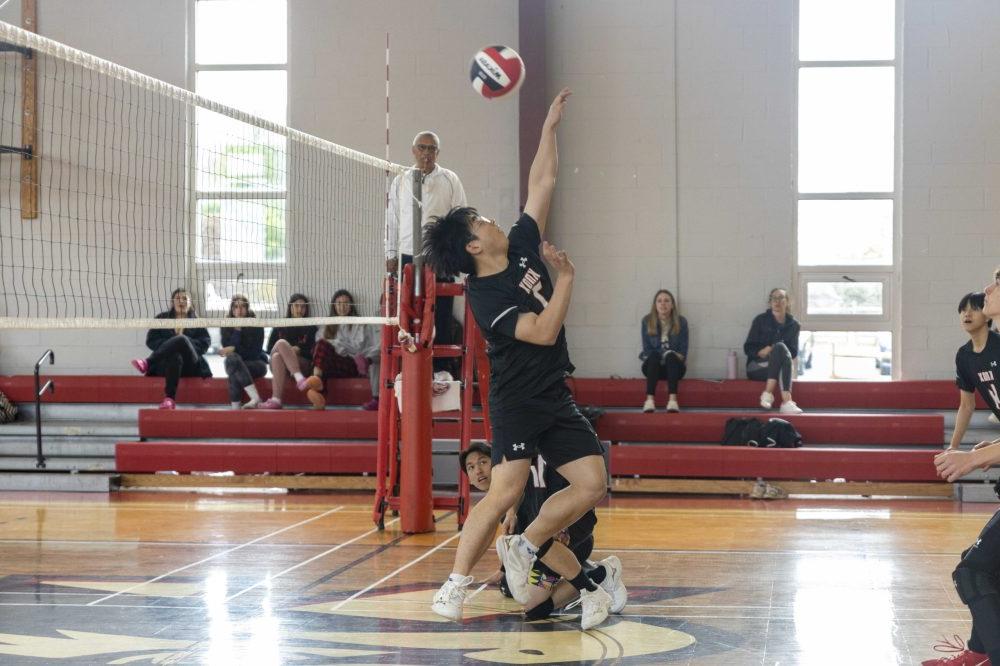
[404,464]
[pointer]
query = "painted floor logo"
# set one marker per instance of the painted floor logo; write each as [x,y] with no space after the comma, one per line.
[396,626]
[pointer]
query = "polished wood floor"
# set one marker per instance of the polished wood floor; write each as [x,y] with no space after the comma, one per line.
[157,578]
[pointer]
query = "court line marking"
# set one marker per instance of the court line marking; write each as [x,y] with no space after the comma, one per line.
[305,562]
[406,566]
[624,616]
[219,554]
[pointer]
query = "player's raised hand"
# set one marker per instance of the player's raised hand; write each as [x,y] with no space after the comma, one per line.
[556,109]
[558,259]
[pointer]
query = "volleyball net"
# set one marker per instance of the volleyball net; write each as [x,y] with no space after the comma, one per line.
[117,188]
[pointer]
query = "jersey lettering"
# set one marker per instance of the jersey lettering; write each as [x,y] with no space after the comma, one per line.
[986,376]
[532,283]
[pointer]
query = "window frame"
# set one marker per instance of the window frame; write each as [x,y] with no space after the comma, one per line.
[889,275]
[252,270]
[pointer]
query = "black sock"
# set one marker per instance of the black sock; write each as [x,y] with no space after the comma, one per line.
[581,582]
[544,548]
[541,611]
[598,575]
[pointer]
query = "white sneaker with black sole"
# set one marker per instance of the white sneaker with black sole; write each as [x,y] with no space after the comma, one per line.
[450,598]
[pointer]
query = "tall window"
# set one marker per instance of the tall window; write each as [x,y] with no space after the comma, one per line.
[240,171]
[846,184]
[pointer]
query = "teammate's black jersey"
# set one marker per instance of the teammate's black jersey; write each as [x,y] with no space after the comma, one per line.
[543,482]
[518,370]
[981,372]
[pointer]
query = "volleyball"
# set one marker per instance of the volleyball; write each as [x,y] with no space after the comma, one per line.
[496,71]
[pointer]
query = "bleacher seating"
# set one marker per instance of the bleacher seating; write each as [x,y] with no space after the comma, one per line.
[878,432]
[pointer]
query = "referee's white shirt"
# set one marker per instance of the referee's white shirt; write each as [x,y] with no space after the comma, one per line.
[442,191]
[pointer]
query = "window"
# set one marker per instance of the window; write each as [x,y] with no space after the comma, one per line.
[239,171]
[846,173]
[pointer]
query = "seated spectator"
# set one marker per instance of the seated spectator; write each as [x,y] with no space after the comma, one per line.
[177,352]
[772,345]
[346,350]
[664,349]
[290,349]
[243,349]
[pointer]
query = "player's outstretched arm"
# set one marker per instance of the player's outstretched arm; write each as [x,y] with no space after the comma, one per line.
[953,464]
[966,407]
[543,329]
[542,176]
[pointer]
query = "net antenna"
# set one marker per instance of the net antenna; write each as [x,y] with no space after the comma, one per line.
[145,187]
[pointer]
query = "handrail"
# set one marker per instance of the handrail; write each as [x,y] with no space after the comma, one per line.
[51,388]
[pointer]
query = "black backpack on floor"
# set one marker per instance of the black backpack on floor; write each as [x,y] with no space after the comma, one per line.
[776,433]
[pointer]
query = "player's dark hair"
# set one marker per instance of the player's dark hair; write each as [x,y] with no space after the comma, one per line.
[445,239]
[975,300]
[475,447]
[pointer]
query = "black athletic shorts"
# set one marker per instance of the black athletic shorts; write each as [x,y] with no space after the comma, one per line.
[548,423]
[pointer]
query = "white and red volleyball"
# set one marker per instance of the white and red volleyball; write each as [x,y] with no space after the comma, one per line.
[496,71]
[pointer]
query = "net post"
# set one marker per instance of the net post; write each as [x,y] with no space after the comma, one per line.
[416,471]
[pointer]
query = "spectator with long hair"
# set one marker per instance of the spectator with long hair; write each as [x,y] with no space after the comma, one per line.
[345,350]
[177,352]
[290,350]
[243,351]
[772,345]
[664,349]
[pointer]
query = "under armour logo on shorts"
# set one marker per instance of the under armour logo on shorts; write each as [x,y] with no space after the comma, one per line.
[519,447]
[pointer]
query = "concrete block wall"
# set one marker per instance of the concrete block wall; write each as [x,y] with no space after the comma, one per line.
[951,173]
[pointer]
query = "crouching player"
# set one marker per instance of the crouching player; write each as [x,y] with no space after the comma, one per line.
[556,577]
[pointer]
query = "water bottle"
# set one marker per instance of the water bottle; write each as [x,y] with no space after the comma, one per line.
[731,364]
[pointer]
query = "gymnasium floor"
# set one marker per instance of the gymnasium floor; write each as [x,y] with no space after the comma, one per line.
[155,578]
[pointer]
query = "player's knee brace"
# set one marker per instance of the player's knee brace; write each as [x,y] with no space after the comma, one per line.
[972,584]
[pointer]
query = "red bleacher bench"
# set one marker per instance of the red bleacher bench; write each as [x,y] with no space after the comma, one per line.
[277,424]
[880,429]
[679,461]
[283,457]
[745,394]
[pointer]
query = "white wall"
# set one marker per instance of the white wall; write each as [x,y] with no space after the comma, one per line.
[676,153]
[951,173]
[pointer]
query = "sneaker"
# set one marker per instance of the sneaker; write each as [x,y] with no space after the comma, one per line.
[613,585]
[672,406]
[371,405]
[596,605]
[992,418]
[789,407]
[252,404]
[758,490]
[766,400]
[774,492]
[168,403]
[517,566]
[270,403]
[450,598]
[140,364]
[649,406]
[962,656]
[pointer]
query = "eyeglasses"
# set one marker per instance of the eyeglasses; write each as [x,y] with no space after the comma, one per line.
[426,148]
[778,299]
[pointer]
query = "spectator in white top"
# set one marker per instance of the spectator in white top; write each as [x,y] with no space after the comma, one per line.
[441,191]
